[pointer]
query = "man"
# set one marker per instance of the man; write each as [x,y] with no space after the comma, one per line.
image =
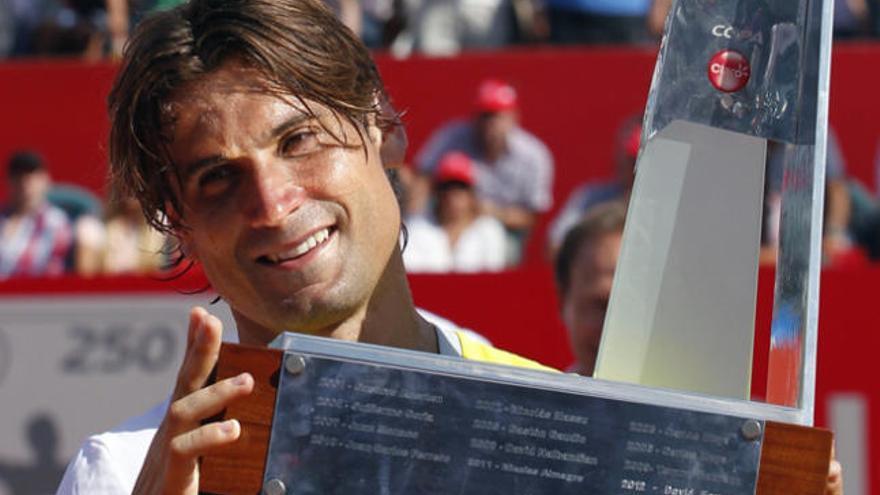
[591,194]
[584,272]
[514,168]
[605,21]
[251,131]
[446,27]
[35,237]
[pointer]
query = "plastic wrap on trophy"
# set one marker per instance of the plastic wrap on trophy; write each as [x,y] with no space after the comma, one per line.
[731,78]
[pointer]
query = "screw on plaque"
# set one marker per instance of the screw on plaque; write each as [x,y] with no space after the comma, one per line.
[274,487]
[294,364]
[751,430]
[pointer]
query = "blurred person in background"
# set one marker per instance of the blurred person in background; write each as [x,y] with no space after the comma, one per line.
[456,237]
[513,168]
[379,21]
[123,244]
[605,21]
[84,211]
[7,29]
[90,29]
[852,18]
[132,246]
[446,27]
[584,270]
[35,236]
[593,193]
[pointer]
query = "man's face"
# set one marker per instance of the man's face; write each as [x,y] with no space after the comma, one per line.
[583,310]
[494,128]
[455,202]
[292,228]
[27,191]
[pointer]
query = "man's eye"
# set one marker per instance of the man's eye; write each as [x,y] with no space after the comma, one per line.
[299,143]
[215,180]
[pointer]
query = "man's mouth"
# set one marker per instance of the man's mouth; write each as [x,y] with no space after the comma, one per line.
[315,240]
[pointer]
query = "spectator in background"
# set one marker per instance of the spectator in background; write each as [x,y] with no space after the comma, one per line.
[588,195]
[584,272]
[347,11]
[456,238]
[132,246]
[7,29]
[84,212]
[35,236]
[446,27]
[584,269]
[605,21]
[852,19]
[379,21]
[87,28]
[513,168]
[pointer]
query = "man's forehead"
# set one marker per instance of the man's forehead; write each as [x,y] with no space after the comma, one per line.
[599,251]
[234,81]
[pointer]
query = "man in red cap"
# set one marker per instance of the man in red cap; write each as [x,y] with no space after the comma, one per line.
[455,237]
[513,168]
[587,196]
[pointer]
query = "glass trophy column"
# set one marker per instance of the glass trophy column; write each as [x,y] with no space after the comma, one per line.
[731,78]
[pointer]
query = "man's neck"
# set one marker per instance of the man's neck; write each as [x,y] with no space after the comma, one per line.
[389,318]
[494,153]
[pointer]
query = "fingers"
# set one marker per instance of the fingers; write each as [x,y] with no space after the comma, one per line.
[204,439]
[208,401]
[834,483]
[203,347]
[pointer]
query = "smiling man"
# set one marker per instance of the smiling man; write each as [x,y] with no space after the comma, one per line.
[252,131]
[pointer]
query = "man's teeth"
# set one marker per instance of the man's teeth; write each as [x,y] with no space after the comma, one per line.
[303,247]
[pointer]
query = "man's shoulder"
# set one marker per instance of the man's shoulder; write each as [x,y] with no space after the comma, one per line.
[454,128]
[480,351]
[524,142]
[110,462]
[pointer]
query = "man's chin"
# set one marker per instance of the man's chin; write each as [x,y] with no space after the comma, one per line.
[314,316]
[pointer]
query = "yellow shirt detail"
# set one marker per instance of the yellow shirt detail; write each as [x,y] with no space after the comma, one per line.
[478,351]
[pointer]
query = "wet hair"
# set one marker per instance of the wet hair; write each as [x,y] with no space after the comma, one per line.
[298,47]
[25,162]
[603,219]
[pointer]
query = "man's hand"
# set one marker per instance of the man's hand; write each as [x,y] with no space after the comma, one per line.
[172,462]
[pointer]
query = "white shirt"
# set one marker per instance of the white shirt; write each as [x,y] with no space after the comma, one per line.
[482,247]
[109,463]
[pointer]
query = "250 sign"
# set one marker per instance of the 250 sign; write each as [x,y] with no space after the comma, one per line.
[118,348]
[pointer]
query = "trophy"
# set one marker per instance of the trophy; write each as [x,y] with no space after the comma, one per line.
[669,413]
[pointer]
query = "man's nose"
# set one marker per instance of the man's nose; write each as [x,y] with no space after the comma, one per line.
[275,195]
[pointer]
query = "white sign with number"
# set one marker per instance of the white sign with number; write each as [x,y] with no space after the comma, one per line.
[71,366]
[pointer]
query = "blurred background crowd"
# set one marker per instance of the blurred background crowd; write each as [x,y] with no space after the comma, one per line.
[99,28]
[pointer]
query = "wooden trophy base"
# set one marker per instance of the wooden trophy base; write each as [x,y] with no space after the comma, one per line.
[794,459]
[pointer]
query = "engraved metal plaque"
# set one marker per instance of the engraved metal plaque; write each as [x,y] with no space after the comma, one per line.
[349,424]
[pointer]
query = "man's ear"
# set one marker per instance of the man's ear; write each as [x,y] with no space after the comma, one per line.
[180,232]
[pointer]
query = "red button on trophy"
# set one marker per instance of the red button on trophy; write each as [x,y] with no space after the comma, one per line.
[729,71]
